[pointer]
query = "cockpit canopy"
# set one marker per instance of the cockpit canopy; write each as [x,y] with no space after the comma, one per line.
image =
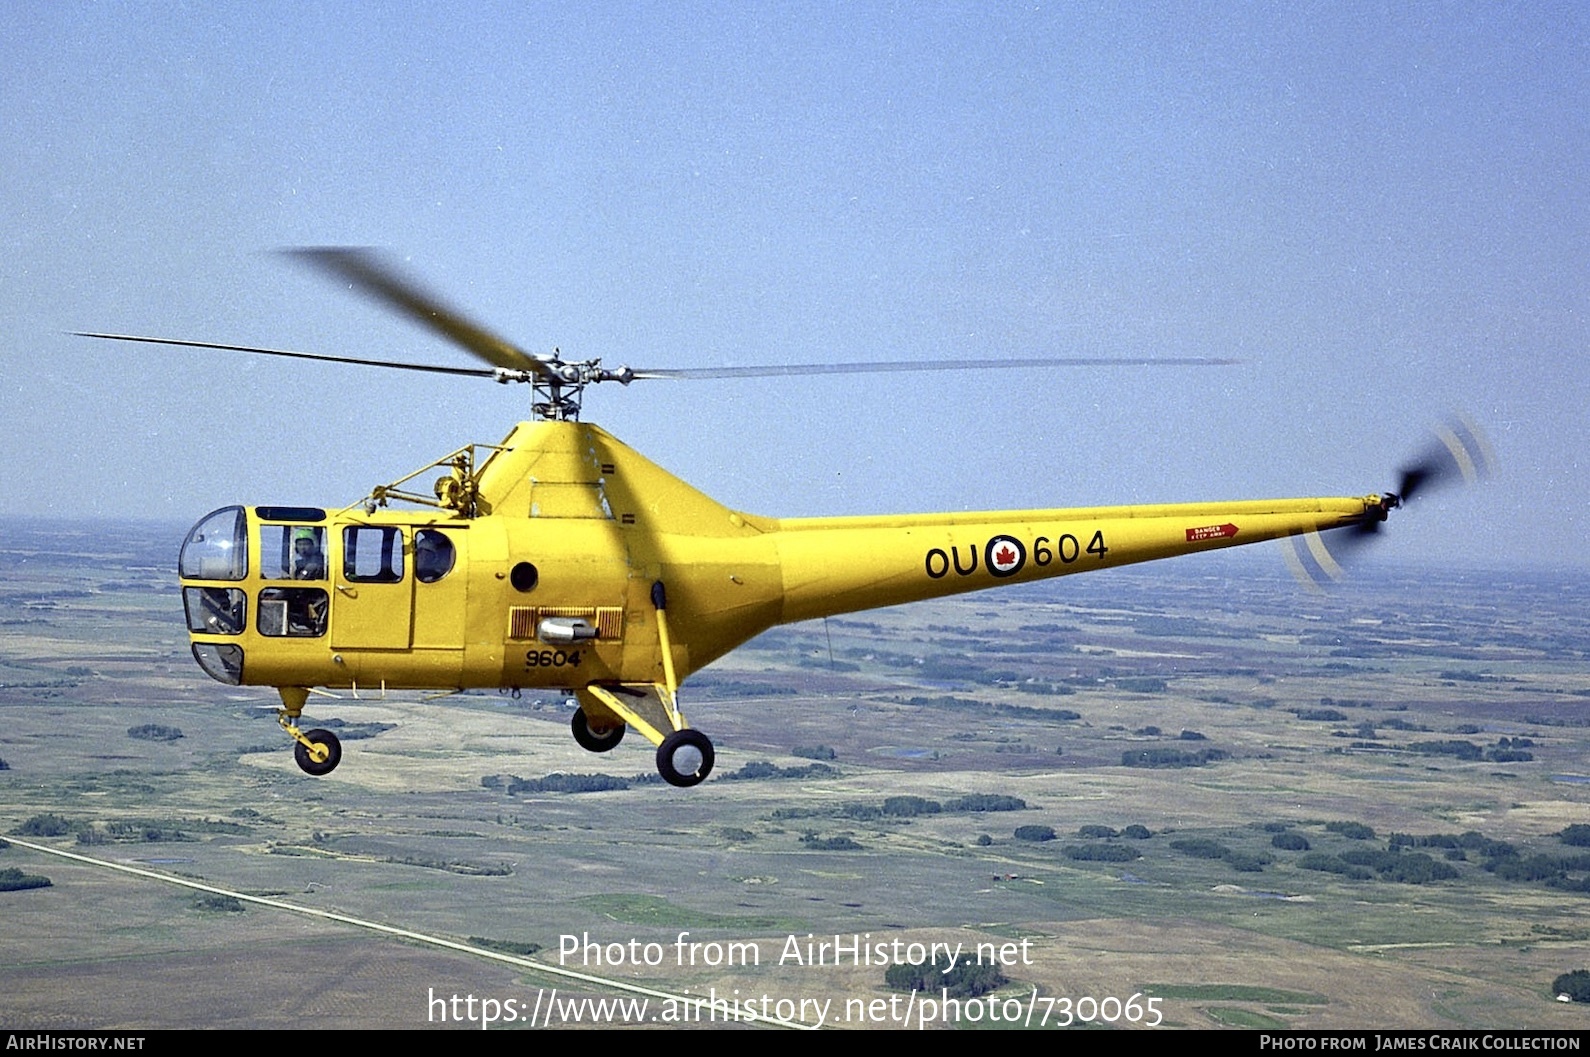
[217,548]
[256,578]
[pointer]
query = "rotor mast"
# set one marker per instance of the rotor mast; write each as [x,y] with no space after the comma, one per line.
[557,391]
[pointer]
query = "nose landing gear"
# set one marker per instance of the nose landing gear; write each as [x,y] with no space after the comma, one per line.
[318,751]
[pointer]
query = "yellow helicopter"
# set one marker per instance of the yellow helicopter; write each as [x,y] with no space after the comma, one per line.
[561,559]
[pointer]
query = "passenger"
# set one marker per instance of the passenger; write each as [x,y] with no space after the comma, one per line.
[433,556]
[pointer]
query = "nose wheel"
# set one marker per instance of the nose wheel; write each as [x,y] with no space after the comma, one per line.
[319,752]
[685,758]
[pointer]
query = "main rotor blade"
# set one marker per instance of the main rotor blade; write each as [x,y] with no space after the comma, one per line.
[366,270]
[474,372]
[696,373]
[888,366]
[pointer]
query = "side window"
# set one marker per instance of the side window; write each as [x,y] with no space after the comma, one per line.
[372,555]
[215,610]
[292,552]
[298,612]
[434,555]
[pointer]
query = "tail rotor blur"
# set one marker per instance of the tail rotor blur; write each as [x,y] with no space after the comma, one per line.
[1458,453]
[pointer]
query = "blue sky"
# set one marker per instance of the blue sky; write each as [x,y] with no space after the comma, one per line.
[1382,210]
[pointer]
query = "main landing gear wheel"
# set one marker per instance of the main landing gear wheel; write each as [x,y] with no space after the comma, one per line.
[685,758]
[594,741]
[327,742]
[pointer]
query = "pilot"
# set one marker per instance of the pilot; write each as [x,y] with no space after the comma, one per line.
[308,561]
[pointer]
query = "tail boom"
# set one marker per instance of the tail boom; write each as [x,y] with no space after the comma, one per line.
[841,565]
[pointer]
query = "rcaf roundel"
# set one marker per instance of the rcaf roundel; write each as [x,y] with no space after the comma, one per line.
[1004,556]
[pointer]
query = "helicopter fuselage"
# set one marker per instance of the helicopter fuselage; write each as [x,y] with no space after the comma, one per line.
[548,583]
[570,562]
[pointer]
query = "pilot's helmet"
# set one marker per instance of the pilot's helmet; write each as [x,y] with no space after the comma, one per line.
[306,535]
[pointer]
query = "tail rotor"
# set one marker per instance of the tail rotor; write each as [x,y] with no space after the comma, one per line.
[1458,453]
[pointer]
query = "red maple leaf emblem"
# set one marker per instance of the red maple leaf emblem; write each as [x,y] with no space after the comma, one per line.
[1004,556]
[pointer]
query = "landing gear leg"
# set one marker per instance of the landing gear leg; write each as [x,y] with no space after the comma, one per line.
[684,754]
[318,751]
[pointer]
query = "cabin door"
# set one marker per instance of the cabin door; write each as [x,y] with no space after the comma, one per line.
[374,604]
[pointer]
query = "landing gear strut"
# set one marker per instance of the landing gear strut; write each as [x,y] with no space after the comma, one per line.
[684,754]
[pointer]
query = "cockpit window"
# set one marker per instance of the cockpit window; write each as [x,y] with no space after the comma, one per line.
[299,612]
[217,548]
[215,610]
[223,663]
[434,555]
[372,555]
[292,552]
